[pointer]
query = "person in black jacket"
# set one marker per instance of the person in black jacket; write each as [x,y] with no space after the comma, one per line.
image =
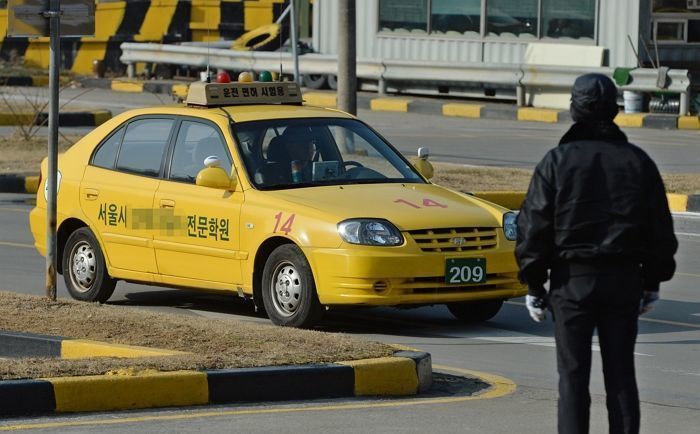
[596,219]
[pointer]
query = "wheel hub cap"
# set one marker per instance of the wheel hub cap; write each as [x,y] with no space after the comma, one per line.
[83,267]
[286,289]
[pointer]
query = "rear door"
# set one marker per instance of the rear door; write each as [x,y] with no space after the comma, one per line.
[118,188]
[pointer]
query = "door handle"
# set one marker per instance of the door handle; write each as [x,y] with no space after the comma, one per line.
[90,193]
[167,203]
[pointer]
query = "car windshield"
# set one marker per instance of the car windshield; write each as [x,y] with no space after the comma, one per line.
[290,153]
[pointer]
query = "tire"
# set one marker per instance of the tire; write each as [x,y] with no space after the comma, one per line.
[314,81]
[84,269]
[288,289]
[265,38]
[332,81]
[475,311]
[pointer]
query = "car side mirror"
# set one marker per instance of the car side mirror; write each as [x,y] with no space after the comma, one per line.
[213,176]
[422,165]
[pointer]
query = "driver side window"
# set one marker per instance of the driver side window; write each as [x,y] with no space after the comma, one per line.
[195,142]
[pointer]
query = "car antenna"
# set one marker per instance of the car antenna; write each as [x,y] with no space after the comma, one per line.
[208,49]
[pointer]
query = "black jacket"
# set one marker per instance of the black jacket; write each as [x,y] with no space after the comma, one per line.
[595,199]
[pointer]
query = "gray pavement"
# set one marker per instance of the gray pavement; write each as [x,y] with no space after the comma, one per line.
[510,345]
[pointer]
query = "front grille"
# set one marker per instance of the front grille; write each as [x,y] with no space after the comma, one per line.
[455,239]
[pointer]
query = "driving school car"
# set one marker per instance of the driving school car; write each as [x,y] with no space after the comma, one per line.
[244,190]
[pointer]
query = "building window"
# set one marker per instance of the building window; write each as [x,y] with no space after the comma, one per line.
[455,16]
[522,19]
[675,6]
[403,15]
[568,19]
[676,21]
[511,17]
[670,31]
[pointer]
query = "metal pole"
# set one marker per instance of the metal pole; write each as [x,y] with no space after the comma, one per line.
[347,57]
[295,39]
[54,65]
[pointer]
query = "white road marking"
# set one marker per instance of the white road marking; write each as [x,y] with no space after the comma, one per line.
[688,234]
[695,314]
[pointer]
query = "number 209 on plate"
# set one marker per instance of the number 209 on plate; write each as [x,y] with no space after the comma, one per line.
[465,270]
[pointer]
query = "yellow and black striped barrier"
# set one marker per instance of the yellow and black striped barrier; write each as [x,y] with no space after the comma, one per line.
[160,21]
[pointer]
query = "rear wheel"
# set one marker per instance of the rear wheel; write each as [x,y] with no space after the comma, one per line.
[289,291]
[84,269]
[475,311]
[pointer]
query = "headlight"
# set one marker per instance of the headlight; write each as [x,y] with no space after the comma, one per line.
[510,225]
[370,232]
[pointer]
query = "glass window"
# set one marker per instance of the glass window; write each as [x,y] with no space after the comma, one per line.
[195,142]
[670,31]
[107,153]
[694,31]
[675,6]
[568,18]
[511,17]
[143,146]
[462,16]
[403,15]
[306,152]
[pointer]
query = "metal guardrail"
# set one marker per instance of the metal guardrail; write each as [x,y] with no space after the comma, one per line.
[519,77]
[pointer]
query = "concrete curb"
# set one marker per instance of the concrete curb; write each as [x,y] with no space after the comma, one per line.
[18,183]
[30,80]
[88,118]
[405,373]
[407,104]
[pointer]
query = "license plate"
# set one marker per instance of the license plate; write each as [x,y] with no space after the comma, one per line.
[465,270]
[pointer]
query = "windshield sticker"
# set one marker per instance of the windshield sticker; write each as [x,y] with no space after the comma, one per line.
[426,203]
[112,214]
[286,226]
[207,227]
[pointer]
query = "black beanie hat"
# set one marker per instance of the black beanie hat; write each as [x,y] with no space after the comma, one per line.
[593,98]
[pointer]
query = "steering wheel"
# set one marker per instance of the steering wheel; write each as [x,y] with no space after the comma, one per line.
[352,163]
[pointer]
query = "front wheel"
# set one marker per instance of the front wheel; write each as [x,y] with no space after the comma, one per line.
[84,269]
[289,291]
[475,311]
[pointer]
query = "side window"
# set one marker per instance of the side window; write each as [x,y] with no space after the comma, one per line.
[107,152]
[195,142]
[143,146]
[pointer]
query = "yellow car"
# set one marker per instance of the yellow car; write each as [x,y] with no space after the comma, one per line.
[244,190]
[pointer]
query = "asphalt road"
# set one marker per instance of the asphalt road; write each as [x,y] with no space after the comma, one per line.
[482,142]
[510,345]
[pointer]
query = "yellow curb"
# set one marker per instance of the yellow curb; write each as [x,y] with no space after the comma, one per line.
[11,119]
[321,99]
[83,348]
[127,86]
[384,376]
[506,199]
[677,202]
[180,90]
[40,80]
[101,116]
[390,104]
[117,392]
[472,111]
[633,120]
[31,184]
[538,114]
[689,123]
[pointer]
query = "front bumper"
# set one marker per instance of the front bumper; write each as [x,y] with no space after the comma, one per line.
[390,277]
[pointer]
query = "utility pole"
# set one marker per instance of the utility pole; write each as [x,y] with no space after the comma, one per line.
[53,14]
[347,57]
[295,39]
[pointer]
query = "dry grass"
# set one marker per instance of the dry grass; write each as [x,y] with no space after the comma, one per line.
[213,344]
[18,155]
[463,178]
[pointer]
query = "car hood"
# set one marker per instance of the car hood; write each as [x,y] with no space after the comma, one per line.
[408,206]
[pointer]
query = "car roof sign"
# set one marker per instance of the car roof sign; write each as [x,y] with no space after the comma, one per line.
[223,94]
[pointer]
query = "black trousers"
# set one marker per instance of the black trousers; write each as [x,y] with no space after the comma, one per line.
[609,302]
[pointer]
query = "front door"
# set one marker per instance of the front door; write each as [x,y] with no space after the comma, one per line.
[197,240]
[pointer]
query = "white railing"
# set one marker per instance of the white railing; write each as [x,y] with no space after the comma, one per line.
[519,77]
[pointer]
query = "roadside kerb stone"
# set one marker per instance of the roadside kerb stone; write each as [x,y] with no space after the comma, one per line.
[406,373]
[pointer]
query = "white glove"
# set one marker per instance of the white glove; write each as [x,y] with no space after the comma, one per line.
[649,299]
[537,306]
